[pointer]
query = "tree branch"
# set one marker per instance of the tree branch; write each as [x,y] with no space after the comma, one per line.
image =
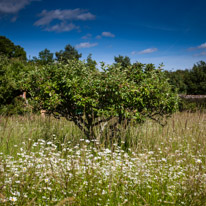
[101,121]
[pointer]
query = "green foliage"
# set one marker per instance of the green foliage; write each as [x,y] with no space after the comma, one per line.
[90,97]
[192,103]
[10,75]
[197,79]
[69,53]
[189,81]
[123,61]
[45,57]
[91,64]
[10,50]
[17,106]
[187,106]
[8,79]
[177,79]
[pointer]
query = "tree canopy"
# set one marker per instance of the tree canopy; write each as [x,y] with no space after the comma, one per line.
[10,76]
[91,64]
[189,81]
[90,97]
[123,61]
[46,57]
[68,53]
[10,50]
[104,90]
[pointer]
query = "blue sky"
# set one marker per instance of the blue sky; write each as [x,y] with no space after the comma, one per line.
[172,32]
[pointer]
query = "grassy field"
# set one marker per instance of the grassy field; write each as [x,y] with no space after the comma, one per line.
[48,162]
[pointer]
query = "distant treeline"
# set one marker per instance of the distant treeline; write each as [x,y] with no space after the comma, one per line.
[190,82]
[191,86]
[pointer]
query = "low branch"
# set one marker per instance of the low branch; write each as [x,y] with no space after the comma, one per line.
[101,121]
[158,121]
[81,127]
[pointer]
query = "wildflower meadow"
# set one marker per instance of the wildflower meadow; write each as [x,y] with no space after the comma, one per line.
[49,162]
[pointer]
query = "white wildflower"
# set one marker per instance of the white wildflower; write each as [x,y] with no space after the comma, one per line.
[13,199]
[199,161]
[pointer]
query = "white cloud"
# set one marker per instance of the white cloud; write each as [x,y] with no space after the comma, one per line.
[200,54]
[13,6]
[202,46]
[87,36]
[62,27]
[63,15]
[85,45]
[98,37]
[47,17]
[133,52]
[107,34]
[147,51]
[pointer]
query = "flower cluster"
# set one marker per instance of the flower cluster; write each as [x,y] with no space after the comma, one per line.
[85,174]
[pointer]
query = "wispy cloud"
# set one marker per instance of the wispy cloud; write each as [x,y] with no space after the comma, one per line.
[200,54]
[62,27]
[47,17]
[133,52]
[98,37]
[160,27]
[105,34]
[85,45]
[63,15]
[201,46]
[87,36]
[13,6]
[147,51]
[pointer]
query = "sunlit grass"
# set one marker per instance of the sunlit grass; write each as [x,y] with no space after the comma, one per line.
[48,162]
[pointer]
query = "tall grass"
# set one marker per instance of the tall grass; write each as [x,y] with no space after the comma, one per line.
[28,129]
[49,162]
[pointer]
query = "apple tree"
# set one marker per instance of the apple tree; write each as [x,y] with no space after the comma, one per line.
[112,95]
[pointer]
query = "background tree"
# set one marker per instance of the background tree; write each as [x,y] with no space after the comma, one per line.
[196,79]
[46,57]
[10,50]
[189,81]
[123,61]
[69,53]
[178,80]
[91,64]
